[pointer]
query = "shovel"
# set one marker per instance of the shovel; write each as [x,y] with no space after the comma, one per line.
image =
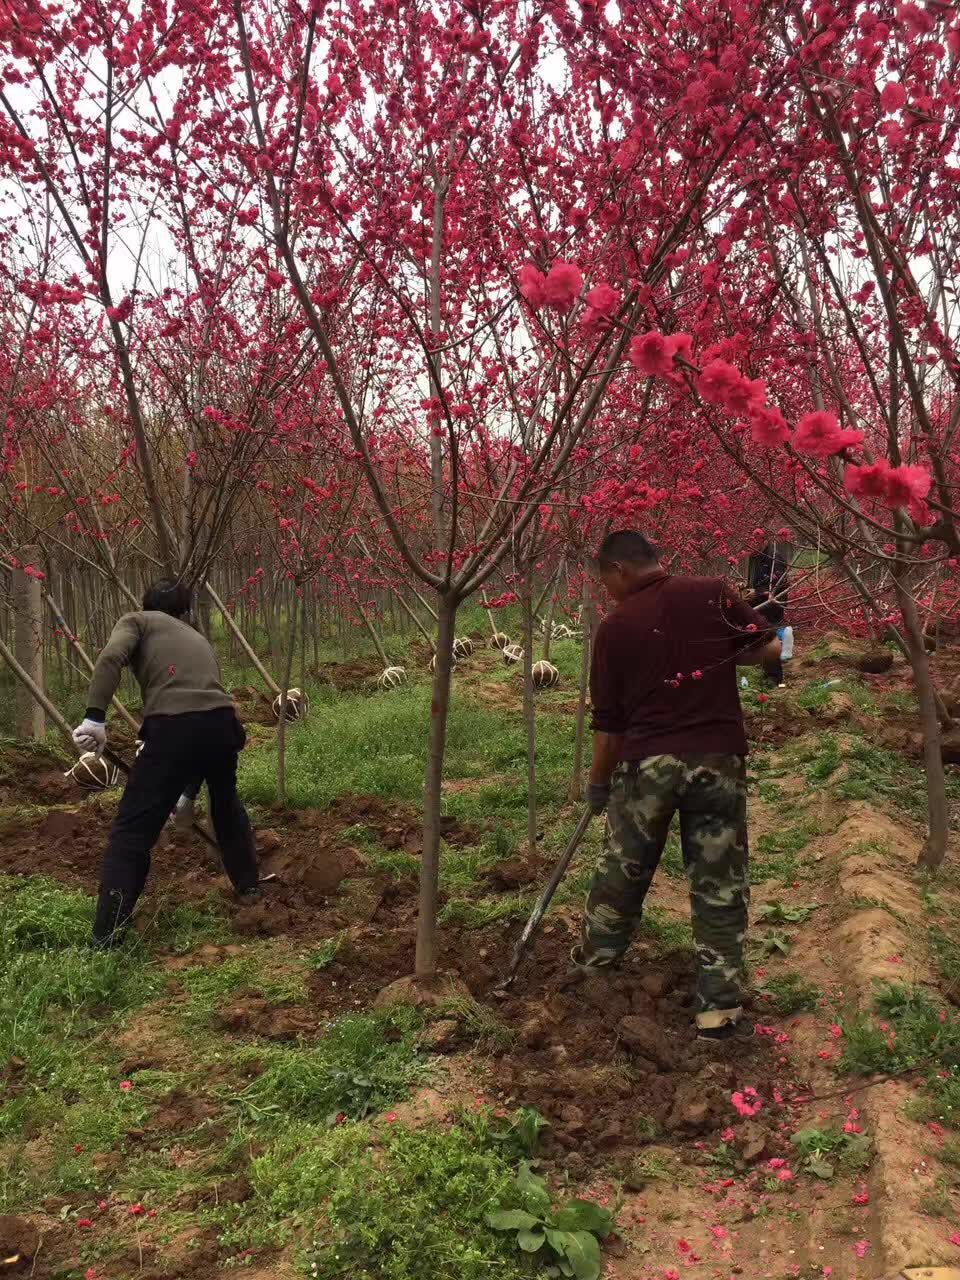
[530,928]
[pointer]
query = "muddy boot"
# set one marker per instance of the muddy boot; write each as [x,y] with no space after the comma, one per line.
[742,1029]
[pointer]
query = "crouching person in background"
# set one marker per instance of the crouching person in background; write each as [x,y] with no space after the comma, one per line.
[190,734]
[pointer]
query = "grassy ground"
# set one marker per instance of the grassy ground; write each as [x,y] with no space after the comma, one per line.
[157,1137]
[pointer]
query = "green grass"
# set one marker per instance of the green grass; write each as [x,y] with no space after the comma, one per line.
[905,1029]
[211,986]
[395,1204]
[329,754]
[777,855]
[363,1064]
[788,993]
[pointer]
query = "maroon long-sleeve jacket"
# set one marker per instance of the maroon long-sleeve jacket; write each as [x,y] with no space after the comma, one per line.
[664,667]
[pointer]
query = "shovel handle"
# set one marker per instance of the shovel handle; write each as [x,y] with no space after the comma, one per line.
[559,871]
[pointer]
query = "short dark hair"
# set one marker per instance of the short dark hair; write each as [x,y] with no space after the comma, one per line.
[626,545]
[167,596]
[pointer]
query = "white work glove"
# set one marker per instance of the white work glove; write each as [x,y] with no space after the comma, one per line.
[91,735]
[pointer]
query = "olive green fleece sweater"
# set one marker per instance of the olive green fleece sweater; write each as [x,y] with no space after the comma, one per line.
[174,665]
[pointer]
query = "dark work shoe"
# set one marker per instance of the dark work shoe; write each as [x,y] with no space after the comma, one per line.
[251,895]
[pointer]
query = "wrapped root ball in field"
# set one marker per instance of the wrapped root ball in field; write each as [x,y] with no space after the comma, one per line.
[297,705]
[93,773]
[453,661]
[562,632]
[462,647]
[512,654]
[499,640]
[392,678]
[545,675]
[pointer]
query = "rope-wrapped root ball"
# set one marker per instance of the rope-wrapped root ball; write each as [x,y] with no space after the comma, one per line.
[499,640]
[462,647]
[545,675]
[92,773]
[512,654]
[453,661]
[297,705]
[392,678]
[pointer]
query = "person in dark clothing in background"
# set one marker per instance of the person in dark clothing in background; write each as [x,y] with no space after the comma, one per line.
[769,596]
[190,734]
[669,736]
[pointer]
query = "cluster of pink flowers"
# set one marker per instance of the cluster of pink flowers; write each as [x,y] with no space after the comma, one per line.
[890,486]
[654,353]
[559,288]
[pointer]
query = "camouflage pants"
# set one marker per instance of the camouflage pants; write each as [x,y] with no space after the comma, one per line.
[710,792]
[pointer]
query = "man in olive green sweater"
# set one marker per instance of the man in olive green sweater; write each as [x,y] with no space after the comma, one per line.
[190,734]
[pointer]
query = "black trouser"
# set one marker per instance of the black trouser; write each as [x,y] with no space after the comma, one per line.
[177,750]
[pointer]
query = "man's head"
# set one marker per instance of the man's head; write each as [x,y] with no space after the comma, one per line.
[167,596]
[623,559]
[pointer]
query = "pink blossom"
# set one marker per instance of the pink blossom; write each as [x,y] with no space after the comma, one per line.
[720,383]
[828,1271]
[836,1030]
[603,299]
[862,1196]
[562,285]
[747,1103]
[719,1233]
[274,279]
[893,96]
[955,1239]
[532,282]
[891,486]
[820,434]
[126,1085]
[861,1248]
[728,1135]
[916,20]
[122,311]
[785,1175]
[84,1224]
[776,1162]
[768,427]
[652,353]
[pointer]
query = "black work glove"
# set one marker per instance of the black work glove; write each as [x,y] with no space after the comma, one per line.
[598,796]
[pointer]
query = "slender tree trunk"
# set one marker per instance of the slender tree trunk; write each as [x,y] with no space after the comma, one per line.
[242,641]
[417,623]
[282,724]
[586,611]
[548,625]
[529,714]
[28,631]
[426,960]
[87,661]
[935,846]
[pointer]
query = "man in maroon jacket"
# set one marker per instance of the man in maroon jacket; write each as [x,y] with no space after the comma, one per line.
[669,737]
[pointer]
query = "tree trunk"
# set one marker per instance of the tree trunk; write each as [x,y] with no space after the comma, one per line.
[28,643]
[935,846]
[242,640]
[426,959]
[282,723]
[548,623]
[586,627]
[529,715]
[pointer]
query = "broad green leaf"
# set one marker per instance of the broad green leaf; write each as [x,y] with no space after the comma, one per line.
[511,1220]
[820,1168]
[557,1240]
[533,1190]
[583,1215]
[583,1254]
[530,1241]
